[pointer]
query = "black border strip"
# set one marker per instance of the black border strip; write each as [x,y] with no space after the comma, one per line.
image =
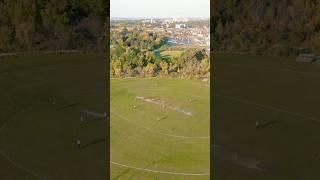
[107,39]
[212,80]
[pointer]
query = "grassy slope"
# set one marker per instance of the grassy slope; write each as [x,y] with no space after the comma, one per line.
[133,145]
[289,147]
[40,140]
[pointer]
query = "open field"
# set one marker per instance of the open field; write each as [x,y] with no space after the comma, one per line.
[283,95]
[38,141]
[160,129]
[171,53]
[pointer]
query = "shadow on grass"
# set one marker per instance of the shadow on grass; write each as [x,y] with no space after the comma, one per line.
[93,120]
[67,106]
[267,124]
[162,118]
[121,174]
[93,143]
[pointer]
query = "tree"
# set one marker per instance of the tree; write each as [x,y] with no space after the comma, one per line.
[258,26]
[316,43]
[164,67]
[6,34]
[33,24]
[23,35]
[150,69]
[116,66]
[128,52]
[205,67]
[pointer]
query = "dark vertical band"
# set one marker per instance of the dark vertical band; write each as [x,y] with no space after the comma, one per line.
[107,35]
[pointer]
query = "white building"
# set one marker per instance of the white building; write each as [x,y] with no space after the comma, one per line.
[179,26]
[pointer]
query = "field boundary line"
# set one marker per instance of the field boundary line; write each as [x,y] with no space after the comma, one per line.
[18,166]
[269,107]
[157,132]
[2,125]
[7,157]
[158,171]
[275,69]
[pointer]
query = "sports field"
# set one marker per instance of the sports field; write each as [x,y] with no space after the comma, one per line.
[171,53]
[283,97]
[160,129]
[37,138]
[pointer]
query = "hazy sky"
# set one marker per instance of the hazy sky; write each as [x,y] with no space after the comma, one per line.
[160,8]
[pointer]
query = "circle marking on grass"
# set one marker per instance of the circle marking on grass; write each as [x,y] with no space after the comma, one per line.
[7,157]
[2,126]
[269,107]
[161,172]
[157,132]
[276,69]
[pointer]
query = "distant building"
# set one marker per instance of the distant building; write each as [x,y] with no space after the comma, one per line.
[151,21]
[180,26]
[165,25]
[145,21]
[168,21]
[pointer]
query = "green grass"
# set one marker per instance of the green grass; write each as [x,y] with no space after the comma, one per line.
[171,53]
[37,140]
[138,139]
[289,147]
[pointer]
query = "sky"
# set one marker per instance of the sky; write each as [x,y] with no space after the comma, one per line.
[159,8]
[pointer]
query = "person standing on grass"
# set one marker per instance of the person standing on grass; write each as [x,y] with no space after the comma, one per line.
[105,116]
[81,117]
[79,143]
[257,124]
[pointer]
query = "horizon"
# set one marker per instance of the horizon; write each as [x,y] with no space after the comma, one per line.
[159,9]
[124,17]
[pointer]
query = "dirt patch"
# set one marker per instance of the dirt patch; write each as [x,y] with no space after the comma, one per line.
[164,104]
[233,157]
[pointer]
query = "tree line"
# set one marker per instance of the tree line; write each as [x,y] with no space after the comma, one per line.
[138,53]
[53,25]
[266,26]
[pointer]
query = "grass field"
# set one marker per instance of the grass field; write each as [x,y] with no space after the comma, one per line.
[37,142]
[153,136]
[171,53]
[267,89]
